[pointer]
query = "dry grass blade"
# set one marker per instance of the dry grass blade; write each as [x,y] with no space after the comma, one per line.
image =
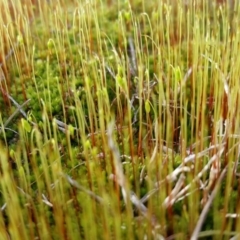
[19,109]
[208,205]
[78,186]
[236,237]
[200,174]
[121,180]
[132,53]
[171,198]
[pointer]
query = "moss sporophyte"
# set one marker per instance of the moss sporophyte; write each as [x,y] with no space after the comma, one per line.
[119,119]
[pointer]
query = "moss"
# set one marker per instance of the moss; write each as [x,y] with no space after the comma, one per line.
[79,68]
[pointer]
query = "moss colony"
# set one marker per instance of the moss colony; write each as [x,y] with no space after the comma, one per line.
[119,120]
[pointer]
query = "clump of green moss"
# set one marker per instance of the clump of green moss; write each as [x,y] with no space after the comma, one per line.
[157,70]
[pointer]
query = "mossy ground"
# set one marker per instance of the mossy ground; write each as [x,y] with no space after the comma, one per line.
[166,75]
